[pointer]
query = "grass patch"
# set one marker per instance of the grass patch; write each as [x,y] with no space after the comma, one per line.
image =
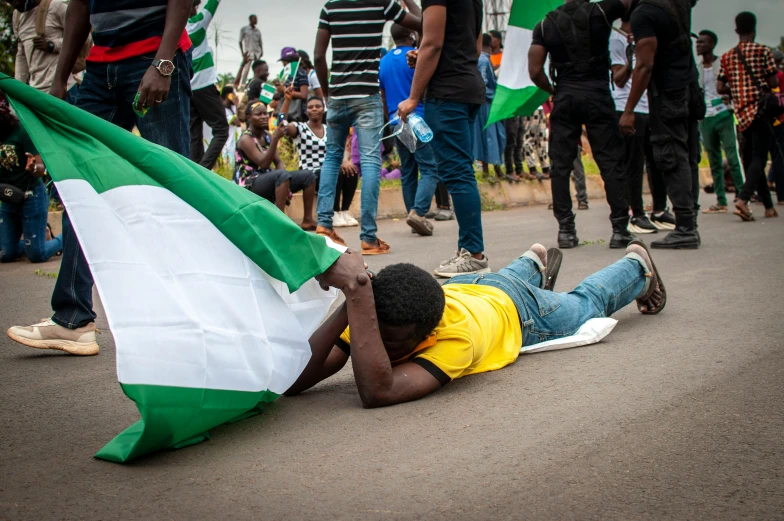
[47,274]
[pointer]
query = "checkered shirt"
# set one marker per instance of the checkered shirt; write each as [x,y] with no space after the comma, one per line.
[745,95]
[311,149]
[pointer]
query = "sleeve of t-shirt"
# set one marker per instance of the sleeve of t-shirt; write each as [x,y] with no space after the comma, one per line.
[643,23]
[324,19]
[617,51]
[393,11]
[538,37]
[301,79]
[428,3]
[313,80]
[613,9]
[448,359]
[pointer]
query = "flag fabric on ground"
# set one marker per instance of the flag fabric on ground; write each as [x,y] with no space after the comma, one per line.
[208,289]
[516,94]
[267,93]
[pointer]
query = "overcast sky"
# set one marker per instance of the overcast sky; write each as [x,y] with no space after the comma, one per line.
[293,23]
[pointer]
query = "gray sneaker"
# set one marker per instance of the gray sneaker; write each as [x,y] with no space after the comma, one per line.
[419,224]
[444,215]
[462,264]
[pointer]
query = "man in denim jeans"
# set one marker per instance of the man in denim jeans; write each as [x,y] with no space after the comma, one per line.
[355,28]
[446,64]
[151,59]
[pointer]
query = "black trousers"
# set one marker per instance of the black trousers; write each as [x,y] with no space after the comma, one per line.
[513,153]
[655,179]
[573,108]
[675,146]
[345,190]
[756,143]
[207,107]
[634,157]
[442,196]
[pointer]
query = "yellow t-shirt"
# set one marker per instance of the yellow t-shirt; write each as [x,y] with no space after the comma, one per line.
[480,331]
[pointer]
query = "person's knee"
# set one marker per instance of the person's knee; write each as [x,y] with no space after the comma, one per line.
[35,255]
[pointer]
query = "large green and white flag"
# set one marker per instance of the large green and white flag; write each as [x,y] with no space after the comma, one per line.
[208,289]
[516,94]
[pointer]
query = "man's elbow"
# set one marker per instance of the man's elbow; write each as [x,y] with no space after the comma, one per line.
[432,47]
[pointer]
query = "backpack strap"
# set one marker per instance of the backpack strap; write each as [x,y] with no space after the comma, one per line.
[749,70]
[40,17]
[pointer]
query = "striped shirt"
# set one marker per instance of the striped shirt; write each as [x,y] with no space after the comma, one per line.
[355,27]
[204,71]
[124,29]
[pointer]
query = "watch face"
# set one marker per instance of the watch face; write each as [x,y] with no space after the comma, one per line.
[166,67]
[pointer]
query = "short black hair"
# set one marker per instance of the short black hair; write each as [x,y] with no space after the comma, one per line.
[711,35]
[487,40]
[226,90]
[399,33]
[311,98]
[252,105]
[745,23]
[496,34]
[405,295]
[253,16]
[256,64]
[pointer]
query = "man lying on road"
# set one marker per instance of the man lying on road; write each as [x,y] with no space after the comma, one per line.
[410,336]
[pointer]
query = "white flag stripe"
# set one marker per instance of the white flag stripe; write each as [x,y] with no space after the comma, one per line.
[175,280]
[514,69]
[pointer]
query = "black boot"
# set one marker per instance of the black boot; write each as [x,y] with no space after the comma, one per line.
[683,237]
[621,236]
[567,235]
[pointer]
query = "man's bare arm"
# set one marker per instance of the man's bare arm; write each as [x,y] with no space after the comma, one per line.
[433,31]
[320,59]
[537,55]
[77,28]
[641,77]
[621,74]
[413,18]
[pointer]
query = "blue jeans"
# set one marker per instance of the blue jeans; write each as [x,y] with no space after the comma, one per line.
[366,115]
[107,91]
[28,220]
[546,315]
[419,176]
[452,124]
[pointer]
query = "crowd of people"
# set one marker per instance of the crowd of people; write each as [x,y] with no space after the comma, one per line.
[635,90]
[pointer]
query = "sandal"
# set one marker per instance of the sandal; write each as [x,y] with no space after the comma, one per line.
[553,266]
[742,211]
[716,208]
[643,304]
[582,206]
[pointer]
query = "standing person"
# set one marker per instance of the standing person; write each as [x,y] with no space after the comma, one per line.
[622,63]
[21,168]
[353,99]
[257,155]
[299,85]
[496,49]
[578,176]
[489,141]
[206,103]
[235,126]
[718,127]
[153,62]
[250,43]
[747,82]
[395,78]
[513,152]
[576,36]
[314,87]
[37,53]
[535,143]
[666,67]
[447,68]
[776,172]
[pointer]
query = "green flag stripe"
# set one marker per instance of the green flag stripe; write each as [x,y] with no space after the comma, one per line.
[527,13]
[203,63]
[177,416]
[77,145]
[515,102]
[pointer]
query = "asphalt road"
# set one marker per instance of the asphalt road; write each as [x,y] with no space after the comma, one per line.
[676,416]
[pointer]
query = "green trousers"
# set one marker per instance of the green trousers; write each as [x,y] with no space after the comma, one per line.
[719,132]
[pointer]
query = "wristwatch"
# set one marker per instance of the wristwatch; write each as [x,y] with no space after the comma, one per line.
[165,67]
[50,47]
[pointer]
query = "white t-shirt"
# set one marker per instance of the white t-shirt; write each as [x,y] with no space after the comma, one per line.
[313,82]
[618,46]
[715,105]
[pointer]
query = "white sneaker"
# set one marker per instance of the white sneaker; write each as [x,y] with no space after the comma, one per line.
[350,221]
[48,335]
[463,264]
[338,221]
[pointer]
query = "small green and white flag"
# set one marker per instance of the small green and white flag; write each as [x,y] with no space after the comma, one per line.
[516,94]
[267,92]
[289,72]
[208,289]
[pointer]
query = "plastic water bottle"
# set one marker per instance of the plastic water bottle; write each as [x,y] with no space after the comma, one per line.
[420,128]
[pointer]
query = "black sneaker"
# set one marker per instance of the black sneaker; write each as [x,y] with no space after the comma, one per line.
[663,220]
[642,224]
[567,240]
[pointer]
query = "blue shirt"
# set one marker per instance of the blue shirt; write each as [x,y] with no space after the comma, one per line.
[395,78]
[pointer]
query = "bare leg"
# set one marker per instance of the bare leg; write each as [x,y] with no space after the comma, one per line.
[308,194]
[282,194]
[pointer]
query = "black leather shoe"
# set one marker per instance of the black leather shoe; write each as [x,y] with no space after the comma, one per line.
[567,239]
[621,236]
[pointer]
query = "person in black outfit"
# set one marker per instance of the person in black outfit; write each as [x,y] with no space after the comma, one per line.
[666,67]
[576,36]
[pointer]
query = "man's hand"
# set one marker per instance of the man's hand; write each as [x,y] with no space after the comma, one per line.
[406,107]
[348,272]
[41,43]
[31,164]
[627,124]
[154,88]
[348,168]
[411,58]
